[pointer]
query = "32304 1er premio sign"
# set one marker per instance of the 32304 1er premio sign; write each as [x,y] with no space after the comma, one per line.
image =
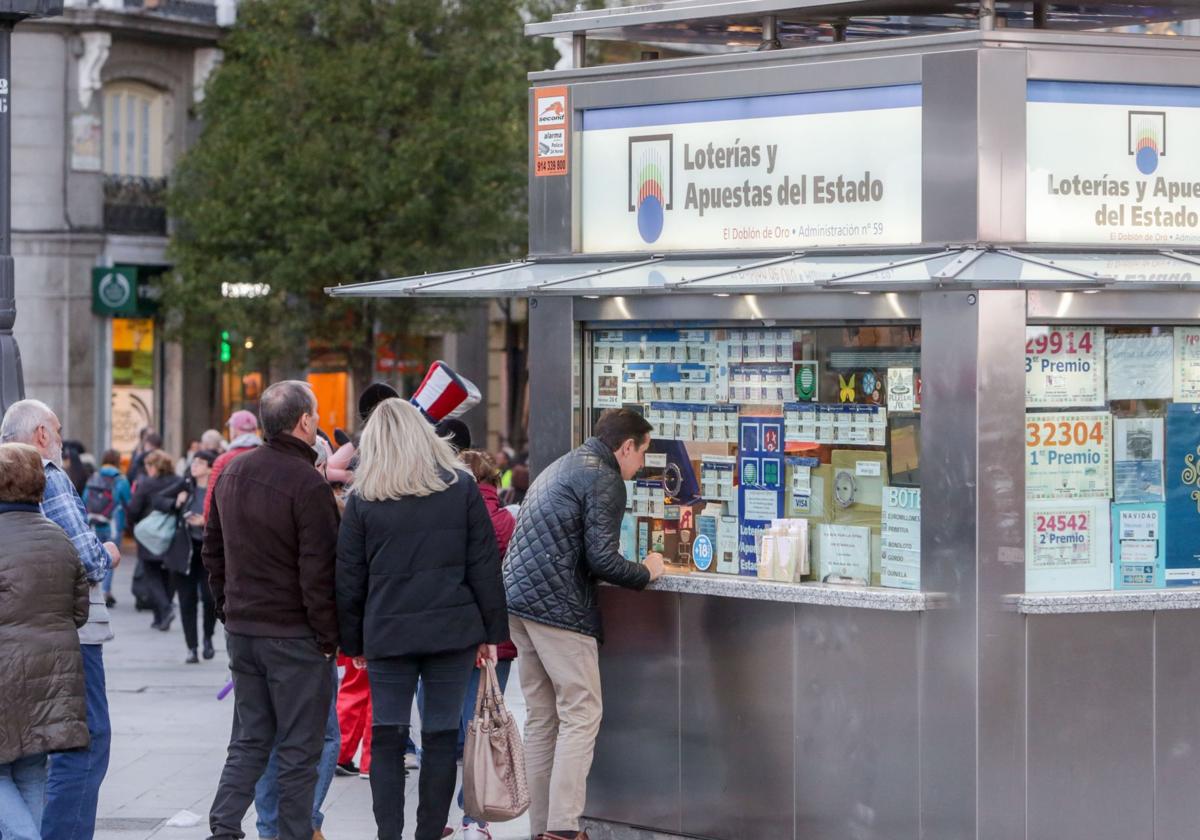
[1068,455]
[1112,163]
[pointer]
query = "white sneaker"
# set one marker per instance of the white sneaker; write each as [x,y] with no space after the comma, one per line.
[472,831]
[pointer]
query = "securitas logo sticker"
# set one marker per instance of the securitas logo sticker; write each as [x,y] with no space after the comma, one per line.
[1147,139]
[651,191]
[552,110]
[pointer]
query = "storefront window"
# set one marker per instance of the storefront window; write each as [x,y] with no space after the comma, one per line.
[1112,441]
[133,397]
[789,454]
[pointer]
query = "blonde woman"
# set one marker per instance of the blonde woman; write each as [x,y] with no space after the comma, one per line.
[419,596]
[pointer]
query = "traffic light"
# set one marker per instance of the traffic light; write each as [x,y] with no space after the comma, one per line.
[226,351]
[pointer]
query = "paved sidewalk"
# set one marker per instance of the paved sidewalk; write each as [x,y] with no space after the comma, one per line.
[170,735]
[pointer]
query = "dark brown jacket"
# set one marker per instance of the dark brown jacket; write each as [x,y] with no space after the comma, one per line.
[43,600]
[270,543]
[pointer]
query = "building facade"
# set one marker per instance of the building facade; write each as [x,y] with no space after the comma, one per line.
[103,108]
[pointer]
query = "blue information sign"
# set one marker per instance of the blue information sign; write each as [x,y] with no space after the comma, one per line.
[702,553]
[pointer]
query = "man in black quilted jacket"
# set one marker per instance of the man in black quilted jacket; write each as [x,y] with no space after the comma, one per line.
[567,539]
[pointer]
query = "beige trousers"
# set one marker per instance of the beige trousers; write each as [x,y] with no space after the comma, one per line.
[560,677]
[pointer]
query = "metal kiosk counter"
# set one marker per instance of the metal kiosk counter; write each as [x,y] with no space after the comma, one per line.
[962,259]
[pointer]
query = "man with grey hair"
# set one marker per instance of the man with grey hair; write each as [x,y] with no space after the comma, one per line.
[269,547]
[212,439]
[73,786]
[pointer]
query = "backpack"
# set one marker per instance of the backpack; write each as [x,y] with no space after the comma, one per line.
[101,498]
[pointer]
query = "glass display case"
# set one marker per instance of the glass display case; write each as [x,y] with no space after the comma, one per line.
[1112,438]
[781,453]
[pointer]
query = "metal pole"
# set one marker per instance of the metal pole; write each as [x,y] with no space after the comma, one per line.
[987,15]
[770,34]
[579,50]
[839,31]
[1039,15]
[12,383]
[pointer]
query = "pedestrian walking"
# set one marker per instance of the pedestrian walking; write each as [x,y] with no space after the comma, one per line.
[419,596]
[487,476]
[269,546]
[192,583]
[45,600]
[73,784]
[156,491]
[148,441]
[567,539]
[107,496]
[243,438]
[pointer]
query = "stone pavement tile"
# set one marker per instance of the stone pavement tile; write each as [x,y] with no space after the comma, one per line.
[170,736]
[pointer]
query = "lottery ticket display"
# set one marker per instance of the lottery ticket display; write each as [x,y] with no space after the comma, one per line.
[771,424]
[1112,442]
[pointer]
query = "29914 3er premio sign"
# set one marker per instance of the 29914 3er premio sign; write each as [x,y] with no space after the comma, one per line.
[1112,163]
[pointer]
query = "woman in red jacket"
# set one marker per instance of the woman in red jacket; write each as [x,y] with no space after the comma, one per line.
[487,476]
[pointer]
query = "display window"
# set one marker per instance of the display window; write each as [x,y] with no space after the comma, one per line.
[785,453]
[1112,457]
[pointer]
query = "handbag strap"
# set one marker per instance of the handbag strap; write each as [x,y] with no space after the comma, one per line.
[481,695]
[494,687]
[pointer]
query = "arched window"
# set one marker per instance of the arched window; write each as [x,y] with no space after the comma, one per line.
[133,130]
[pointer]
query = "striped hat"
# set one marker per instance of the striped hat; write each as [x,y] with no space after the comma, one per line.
[444,394]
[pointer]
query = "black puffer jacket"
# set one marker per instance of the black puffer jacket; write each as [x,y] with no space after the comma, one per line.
[568,536]
[419,575]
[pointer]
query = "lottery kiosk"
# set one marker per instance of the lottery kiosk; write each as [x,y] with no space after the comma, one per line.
[911,308]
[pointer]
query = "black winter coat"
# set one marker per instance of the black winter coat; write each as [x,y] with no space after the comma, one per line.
[153,493]
[569,536]
[419,575]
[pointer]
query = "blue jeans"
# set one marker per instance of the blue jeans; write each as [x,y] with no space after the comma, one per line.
[22,788]
[73,786]
[468,711]
[266,792]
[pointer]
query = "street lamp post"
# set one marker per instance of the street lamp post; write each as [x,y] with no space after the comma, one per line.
[12,12]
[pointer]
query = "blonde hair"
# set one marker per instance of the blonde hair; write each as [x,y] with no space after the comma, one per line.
[401,455]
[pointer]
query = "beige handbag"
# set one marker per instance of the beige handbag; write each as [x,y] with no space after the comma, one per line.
[494,785]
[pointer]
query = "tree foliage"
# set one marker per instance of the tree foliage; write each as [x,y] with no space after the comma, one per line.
[345,142]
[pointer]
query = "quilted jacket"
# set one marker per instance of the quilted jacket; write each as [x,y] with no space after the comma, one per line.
[568,537]
[43,599]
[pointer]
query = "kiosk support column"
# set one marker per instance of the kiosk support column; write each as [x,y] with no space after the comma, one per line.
[972,716]
[553,364]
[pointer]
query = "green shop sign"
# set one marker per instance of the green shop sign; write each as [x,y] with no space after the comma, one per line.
[124,291]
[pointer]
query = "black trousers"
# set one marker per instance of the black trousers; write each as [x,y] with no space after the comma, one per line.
[393,684]
[154,588]
[193,589]
[282,691]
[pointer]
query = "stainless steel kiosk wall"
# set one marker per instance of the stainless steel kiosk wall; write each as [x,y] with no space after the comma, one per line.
[731,718]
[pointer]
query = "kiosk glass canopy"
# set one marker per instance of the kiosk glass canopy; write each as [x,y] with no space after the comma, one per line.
[814,271]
